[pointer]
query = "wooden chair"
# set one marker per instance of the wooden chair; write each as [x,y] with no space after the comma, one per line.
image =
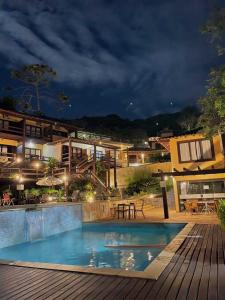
[187,206]
[7,200]
[132,211]
[194,206]
[141,209]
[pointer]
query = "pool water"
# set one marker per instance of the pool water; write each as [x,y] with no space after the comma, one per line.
[86,246]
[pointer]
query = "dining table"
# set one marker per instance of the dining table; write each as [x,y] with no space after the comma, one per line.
[125,208]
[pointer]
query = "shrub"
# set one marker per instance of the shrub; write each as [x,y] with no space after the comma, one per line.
[221,212]
[82,184]
[142,182]
[157,157]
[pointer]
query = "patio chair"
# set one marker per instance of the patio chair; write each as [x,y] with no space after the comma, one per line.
[132,210]
[7,200]
[194,206]
[141,209]
[188,206]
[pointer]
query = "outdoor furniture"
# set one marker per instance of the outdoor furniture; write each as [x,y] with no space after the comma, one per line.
[7,201]
[122,209]
[187,206]
[191,206]
[132,211]
[141,209]
[208,206]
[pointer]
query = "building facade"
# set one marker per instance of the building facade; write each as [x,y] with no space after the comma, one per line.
[198,168]
[28,142]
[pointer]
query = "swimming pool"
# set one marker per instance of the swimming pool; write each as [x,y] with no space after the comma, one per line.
[98,245]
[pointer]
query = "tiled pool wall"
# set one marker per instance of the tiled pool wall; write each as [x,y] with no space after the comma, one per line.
[23,225]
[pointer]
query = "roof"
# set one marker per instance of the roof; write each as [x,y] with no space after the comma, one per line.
[82,141]
[38,119]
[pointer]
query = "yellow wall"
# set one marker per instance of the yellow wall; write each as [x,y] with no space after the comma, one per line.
[218,162]
[8,142]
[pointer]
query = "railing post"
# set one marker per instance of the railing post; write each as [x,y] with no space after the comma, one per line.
[70,155]
[94,158]
[115,173]
[24,138]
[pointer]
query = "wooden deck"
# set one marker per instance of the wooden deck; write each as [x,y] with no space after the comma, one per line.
[197,271]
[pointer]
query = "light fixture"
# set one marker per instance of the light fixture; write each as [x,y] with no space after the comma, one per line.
[37,165]
[19,159]
[21,179]
[65,178]
[165,177]
[30,144]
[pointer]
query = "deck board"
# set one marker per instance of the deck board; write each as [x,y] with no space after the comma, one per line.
[196,271]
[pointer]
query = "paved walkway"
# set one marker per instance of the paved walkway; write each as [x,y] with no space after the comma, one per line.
[197,271]
[156,215]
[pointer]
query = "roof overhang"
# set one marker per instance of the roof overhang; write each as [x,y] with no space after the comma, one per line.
[189,172]
[86,142]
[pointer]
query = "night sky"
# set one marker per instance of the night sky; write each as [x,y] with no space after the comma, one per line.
[135,58]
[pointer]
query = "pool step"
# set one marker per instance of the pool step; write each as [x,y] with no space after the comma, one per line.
[137,246]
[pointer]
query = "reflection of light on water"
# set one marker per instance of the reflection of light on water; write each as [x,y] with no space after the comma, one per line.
[150,256]
[127,260]
[92,262]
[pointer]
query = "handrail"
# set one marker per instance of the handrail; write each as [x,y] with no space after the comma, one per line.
[99,180]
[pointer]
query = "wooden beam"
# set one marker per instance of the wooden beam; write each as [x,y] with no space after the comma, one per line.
[191,172]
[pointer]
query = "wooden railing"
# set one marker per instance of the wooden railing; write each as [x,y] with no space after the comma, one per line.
[5,157]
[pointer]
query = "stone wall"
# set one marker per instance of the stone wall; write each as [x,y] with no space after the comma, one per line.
[21,225]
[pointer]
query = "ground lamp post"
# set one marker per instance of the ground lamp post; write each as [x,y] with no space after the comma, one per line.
[164,196]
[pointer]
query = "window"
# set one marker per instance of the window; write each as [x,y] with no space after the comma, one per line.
[4,124]
[29,152]
[33,131]
[76,152]
[201,187]
[3,149]
[99,154]
[198,150]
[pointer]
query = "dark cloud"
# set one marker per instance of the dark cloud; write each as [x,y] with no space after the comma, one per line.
[109,53]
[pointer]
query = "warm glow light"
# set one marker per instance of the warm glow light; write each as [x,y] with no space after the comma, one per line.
[37,165]
[65,177]
[18,160]
[21,179]
[165,177]
[30,144]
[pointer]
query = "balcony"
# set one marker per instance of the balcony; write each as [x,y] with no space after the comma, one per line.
[8,127]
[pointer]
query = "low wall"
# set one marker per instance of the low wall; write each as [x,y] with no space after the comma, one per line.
[19,225]
[99,210]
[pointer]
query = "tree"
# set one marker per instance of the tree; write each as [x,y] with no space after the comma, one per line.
[189,118]
[212,118]
[8,103]
[37,79]
[215,29]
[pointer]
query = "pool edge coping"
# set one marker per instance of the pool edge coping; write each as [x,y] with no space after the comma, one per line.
[152,271]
